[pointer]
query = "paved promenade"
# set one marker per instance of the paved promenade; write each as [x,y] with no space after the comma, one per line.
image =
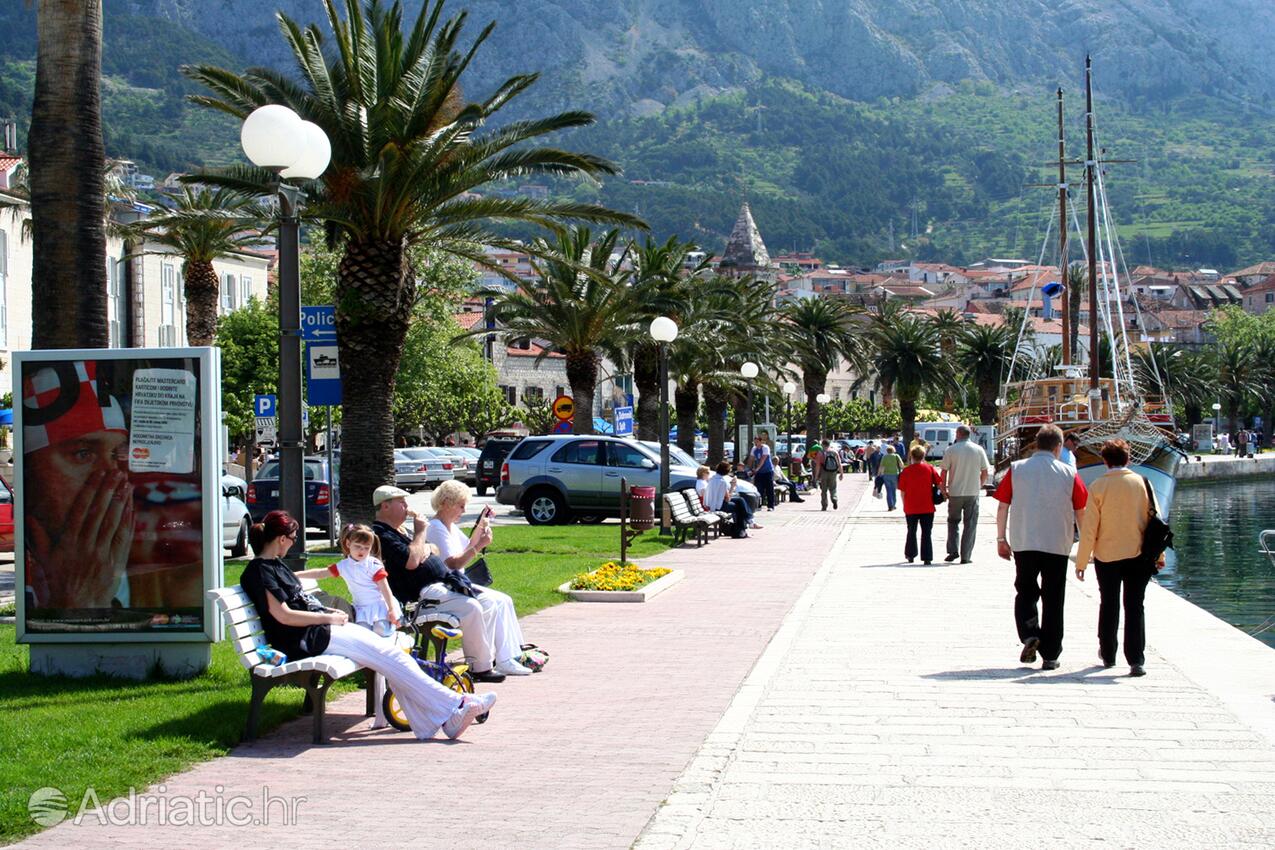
[891,711]
[579,755]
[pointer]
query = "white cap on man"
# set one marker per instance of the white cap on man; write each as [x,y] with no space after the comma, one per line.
[386,492]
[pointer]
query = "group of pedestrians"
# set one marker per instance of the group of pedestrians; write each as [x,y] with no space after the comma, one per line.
[958,480]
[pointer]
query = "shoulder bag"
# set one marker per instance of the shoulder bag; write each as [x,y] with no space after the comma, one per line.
[1158,536]
[936,492]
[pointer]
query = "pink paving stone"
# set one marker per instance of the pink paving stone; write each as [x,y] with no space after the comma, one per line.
[581,754]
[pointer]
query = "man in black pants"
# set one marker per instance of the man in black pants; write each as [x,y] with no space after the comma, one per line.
[1042,501]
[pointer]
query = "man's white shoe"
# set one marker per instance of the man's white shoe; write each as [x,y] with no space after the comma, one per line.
[509,667]
[463,716]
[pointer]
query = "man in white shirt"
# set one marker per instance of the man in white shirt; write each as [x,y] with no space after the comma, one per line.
[719,495]
[1068,453]
[964,474]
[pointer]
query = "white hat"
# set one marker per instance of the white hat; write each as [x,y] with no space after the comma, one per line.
[386,492]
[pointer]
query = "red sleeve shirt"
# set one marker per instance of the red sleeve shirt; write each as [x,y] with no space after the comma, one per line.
[1079,495]
[915,482]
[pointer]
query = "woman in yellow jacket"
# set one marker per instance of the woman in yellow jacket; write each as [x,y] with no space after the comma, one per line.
[1111,534]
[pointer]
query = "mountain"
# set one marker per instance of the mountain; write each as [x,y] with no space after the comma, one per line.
[858,127]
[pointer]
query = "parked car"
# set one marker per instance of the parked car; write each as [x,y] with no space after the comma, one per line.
[676,456]
[416,469]
[493,454]
[471,463]
[322,493]
[555,478]
[235,518]
[453,461]
[6,516]
[464,467]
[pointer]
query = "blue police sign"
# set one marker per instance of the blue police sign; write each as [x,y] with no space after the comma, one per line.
[623,421]
[318,324]
[264,405]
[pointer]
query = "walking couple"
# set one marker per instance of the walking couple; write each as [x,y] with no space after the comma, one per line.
[1042,501]
[964,471]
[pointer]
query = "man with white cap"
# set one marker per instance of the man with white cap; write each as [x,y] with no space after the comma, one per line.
[79,501]
[414,568]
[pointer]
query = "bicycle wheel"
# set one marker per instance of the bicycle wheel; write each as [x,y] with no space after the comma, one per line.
[394,712]
[446,675]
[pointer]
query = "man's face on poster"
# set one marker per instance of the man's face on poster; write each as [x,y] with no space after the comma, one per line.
[62,470]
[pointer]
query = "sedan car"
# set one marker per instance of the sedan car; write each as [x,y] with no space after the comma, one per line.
[463,467]
[321,492]
[235,518]
[431,469]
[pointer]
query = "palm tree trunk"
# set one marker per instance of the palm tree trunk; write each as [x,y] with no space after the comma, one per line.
[67,157]
[646,378]
[1194,413]
[987,407]
[374,295]
[907,410]
[686,400]
[201,302]
[715,410]
[582,374]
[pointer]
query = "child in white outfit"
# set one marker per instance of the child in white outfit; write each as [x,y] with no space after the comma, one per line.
[365,576]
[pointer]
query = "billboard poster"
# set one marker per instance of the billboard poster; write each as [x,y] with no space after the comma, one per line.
[117,475]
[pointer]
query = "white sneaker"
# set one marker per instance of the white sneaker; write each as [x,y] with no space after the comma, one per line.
[488,699]
[462,717]
[510,667]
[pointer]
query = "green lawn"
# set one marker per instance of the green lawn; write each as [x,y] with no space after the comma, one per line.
[113,734]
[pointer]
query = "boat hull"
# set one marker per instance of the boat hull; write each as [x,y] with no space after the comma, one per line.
[1160,469]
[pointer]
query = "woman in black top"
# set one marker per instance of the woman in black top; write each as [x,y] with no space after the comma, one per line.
[297,625]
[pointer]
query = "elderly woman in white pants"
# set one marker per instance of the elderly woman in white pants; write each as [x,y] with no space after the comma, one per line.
[458,551]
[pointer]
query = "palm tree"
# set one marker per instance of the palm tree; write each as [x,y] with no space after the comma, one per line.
[204,224]
[659,289]
[68,160]
[1237,370]
[1183,375]
[1076,289]
[579,305]
[949,325]
[909,359]
[983,356]
[408,154]
[821,332]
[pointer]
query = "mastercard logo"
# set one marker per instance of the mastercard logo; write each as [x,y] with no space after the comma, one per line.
[141,453]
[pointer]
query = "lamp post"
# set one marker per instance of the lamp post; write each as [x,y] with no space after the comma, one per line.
[749,370]
[274,137]
[789,389]
[1217,421]
[823,399]
[663,331]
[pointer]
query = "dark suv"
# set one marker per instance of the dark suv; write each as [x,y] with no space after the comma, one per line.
[555,478]
[494,452]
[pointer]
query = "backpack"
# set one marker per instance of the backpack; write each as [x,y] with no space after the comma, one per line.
[830,462]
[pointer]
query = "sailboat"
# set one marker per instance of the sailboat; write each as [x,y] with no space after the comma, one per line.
[1077,396]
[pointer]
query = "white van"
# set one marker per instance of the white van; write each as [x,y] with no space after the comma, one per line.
[939,435]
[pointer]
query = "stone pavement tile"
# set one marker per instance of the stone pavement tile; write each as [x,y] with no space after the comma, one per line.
[580,755]
[915,725]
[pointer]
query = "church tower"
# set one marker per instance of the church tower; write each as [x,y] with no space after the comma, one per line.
[745,251]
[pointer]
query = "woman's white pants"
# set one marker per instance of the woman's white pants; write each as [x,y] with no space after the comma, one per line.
[501,623]
[425,702]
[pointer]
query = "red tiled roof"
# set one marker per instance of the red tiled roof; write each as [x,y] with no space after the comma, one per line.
[467,321]
[9,161]
[533,351]
[1262,286]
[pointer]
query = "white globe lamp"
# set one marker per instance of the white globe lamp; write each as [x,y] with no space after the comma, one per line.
[663,329]
[316,156]
[749,370]
[789,388]
[273,137]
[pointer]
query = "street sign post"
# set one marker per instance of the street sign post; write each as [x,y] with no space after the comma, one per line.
[264,405]
[563,426]
[564,407]
[623,421]
[323,375]
[318,324]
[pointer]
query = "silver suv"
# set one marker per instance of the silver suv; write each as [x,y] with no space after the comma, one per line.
[554,479]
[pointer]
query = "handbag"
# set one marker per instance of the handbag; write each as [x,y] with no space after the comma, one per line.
[937,495]
[1157,536]
[479,573]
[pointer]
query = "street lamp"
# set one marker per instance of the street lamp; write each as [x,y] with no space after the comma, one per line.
[274,137]
[749,370]
[789,389]
[664,331]
[1217,418]
[823,399]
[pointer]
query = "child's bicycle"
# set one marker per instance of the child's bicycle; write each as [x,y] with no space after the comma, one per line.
[429,649]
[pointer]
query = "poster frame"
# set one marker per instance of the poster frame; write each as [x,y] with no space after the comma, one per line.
[208,360]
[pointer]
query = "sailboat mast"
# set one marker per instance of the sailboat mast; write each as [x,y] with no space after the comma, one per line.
[1062,233]
[1091,168]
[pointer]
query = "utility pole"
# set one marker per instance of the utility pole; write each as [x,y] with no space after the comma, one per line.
[1091,169]
[1062,233]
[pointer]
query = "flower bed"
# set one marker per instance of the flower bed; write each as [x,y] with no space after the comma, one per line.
[613,576]
[614,582]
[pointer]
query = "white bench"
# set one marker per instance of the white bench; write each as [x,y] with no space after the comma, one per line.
[315,674]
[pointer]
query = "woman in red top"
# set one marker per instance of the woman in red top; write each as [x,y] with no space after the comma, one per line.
[917,482]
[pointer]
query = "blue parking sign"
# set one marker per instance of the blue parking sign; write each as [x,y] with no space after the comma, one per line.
[264,405]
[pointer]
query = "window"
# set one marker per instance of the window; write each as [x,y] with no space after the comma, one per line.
[1270,298]
[181,309]
[559,391]
[228,294]
[533,394]
[511,394]
[115,302]
[245,289]
[4,289]
[580,451]
[528,449]
[621,454]
[168,305]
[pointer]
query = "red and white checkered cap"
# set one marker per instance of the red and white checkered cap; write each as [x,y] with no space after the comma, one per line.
[61,403]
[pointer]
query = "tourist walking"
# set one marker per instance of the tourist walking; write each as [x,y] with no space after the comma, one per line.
[1042,500]
[1111,534]
[872,458]
[965,470]
[891,466]
[828,463]
[762,467]
[918,483]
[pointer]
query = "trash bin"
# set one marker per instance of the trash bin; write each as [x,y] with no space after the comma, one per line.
[642,508]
